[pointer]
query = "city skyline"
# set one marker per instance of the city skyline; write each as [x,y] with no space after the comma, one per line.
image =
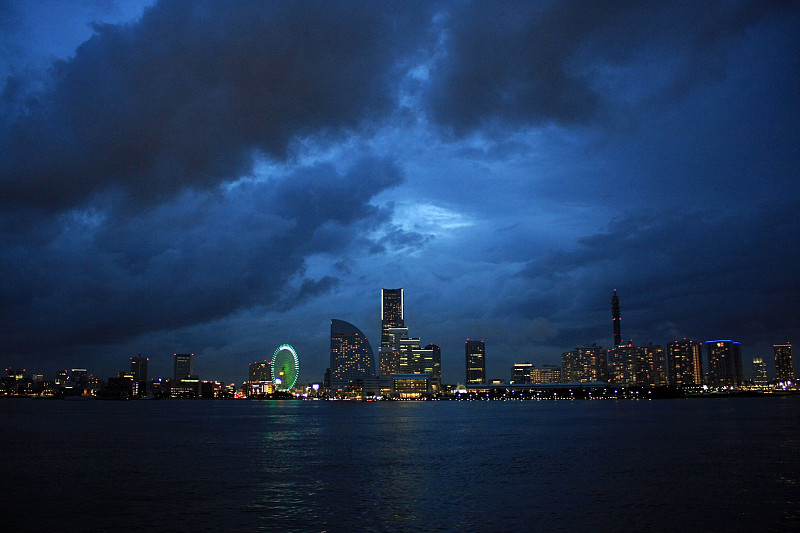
[691,367]
[194,177]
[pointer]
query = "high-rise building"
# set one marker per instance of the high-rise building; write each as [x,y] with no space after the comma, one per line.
[351,357]
[183,366]
[80,377]
[760,372]
[724,363]
[685,363]
[615,318]
[62,377]
[139,367]
[390,352]
[784,363]
[521,373]
[622,364]
[408,361]
[392,318]
[644,366]
[260,371]
[259,379]
[139,373]
[584,364]
[651,366]
[475,361]
[433,364]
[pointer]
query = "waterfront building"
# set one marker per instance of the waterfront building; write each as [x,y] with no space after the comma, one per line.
[546,374]
[62,377]
[392,317]
[416,360]
[433,365]
[724,363]
[78,383]
[622,364]
[685,363]
[475,352]
[521,373]
[651,366]
[408,361]
[615,318]
[259,379]
[139,374]
[411,386]
[183,366]
[119,387]
[584,364]
[760,372]
[351,357]
[390,352]
[260,371]
[185,388]
[784,363]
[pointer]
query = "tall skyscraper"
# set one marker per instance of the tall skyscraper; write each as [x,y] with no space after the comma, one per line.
[651,366]
[433,363]
[760,372]
[260,371]
[139,373]
[183,366]
[475,361]
[351,357]
[724,363]
[784,363]
[584,364]
[392,320]
[139,368]
[685,363]
[622,362]
[426,361]
[615,318]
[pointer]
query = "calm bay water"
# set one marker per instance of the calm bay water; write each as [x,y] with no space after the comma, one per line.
[715,464]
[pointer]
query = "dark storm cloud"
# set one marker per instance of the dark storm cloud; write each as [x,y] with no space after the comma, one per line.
[189,94]
[108,276]
[705,273]
[577,62]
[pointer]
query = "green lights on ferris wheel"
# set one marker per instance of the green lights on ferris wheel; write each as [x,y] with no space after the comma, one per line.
[285,367]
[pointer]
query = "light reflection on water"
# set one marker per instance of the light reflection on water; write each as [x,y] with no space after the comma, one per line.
[430,466]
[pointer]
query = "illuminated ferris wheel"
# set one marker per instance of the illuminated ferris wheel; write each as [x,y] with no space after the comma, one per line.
[285,367]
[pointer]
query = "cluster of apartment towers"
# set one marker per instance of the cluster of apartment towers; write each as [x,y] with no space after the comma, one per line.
[407,369]
[680,365]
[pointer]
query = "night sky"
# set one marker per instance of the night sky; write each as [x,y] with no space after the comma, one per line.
[224,177]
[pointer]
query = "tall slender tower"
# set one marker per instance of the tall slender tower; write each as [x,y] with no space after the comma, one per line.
[476,361]
[392,330]
[139,373]
[784,363]
[724,363]
[685,363]
[615,316]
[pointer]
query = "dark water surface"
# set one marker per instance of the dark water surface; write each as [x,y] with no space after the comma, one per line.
[671,465]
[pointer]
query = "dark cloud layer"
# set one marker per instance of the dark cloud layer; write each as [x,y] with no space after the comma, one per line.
[189,94]
[581,62]
[202,256]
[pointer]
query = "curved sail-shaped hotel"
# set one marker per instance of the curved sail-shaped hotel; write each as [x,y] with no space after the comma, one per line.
[351,357]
